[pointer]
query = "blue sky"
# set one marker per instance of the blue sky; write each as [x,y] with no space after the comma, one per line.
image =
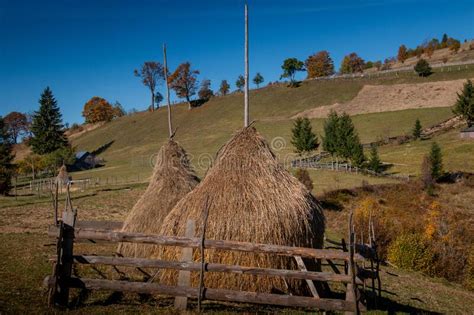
[85,48]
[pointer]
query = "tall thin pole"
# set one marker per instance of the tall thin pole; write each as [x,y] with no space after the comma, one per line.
[170,128]
[246,90]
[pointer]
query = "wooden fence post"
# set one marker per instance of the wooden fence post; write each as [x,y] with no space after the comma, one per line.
[65,259]
[184,277]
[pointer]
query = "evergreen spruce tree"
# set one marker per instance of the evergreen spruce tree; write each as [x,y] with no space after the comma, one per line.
[417,129]
[465,103]
[47,128]
[436,160]
[357,152]
[345,133]
[6,158]
[374,160]
[303,138]
[330,133]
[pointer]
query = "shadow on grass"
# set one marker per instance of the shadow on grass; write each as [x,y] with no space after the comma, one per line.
[392,307]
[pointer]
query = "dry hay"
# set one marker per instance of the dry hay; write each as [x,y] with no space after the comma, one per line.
[251,198]
[172,179]
[63,177]
[385,98]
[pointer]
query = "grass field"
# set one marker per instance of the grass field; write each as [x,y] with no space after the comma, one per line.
[26,249]
[203,130]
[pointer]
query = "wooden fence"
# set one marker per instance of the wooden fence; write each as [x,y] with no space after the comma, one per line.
[68,231]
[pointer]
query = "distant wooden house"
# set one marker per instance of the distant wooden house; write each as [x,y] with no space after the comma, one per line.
[467,133]
[85,160]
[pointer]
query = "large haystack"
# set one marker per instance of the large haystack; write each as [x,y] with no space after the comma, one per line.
[252,199]
[172,179]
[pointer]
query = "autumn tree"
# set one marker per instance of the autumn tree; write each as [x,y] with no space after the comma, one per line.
[16,124]
[47,127]
[118,109]
[402,53]
[455,46]
[151,73]
[6,158]
[205,92]
[31,164]
[224,87]
[290,67]
[240,83]
[319,64]
[258,79]
[464,105]
[352,63]
[184,81]
[97,109]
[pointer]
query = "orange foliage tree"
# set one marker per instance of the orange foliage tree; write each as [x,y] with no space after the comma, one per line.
[98,109]
[319,65]
[402,53]
[184,81]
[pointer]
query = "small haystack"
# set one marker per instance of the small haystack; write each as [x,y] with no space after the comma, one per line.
[63,177]
[252,199]
[172,179]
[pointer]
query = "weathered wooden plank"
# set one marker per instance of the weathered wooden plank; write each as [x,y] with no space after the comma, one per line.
[211,294]
[184,276]
[209,267]
[116,236]
[302,266]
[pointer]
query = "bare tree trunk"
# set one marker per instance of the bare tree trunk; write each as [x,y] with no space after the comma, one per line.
[189,102]
[152,101]
[246,96]
[170,127]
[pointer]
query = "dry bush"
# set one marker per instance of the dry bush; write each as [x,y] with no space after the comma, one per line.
[411,251]
[303,176]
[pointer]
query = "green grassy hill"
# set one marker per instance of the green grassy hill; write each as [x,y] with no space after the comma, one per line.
[203,130]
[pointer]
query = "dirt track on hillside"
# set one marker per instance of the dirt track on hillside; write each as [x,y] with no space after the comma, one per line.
[383,98]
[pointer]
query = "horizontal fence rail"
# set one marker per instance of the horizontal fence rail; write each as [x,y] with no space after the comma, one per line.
[116,236]
[210,267]
[208,293]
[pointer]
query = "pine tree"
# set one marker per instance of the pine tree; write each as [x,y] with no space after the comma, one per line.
[6,158]
[357,153]
[303,138]
[436,160]
[345,136]
[47,128]
[374,161]
[423,68]
[465,103]
[330,133]
[417,129]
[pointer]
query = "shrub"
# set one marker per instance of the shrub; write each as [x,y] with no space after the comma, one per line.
[410,251]
[303,176]
[423,68]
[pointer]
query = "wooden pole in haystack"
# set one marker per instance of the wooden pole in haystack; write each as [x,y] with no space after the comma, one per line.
[246,89]
[170,127]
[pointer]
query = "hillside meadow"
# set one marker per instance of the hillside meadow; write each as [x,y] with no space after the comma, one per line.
[203,130]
